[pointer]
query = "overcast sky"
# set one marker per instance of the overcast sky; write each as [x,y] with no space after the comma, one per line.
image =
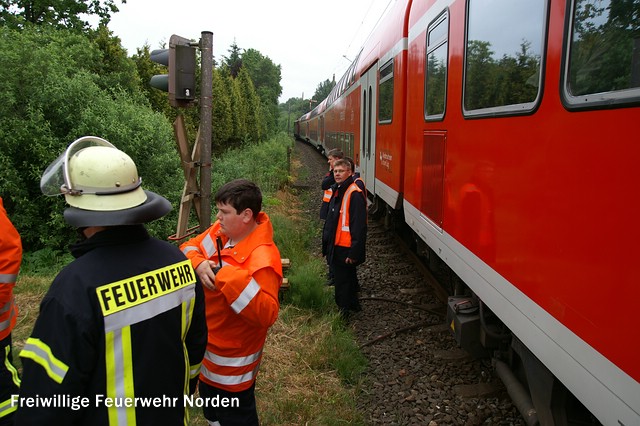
[307,39]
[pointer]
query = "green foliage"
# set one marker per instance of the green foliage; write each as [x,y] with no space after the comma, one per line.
[344,354]
[307,289]
[263,163]
[251,110]
[53,93]
[67,14]
[222,116]
[46,261]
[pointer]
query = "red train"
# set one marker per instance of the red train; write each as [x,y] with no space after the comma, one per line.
[506,135]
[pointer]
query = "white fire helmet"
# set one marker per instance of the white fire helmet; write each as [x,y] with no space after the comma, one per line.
[102,186]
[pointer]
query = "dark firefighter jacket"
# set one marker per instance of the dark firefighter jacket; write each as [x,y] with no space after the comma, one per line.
[357,224]
[327,182]
[124,321]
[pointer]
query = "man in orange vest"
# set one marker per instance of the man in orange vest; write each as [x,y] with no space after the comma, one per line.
[344,237]
[10,259]
[240,267]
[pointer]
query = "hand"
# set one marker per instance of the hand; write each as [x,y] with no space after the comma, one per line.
[349,261]
[206,274]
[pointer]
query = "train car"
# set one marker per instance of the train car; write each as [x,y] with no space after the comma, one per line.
[504,136]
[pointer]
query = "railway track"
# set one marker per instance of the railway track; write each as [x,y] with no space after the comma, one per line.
[417,375]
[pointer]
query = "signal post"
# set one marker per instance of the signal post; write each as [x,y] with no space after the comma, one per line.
[180,83]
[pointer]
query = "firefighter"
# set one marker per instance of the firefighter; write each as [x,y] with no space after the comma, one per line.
[241,269]
[10,259]
[121,332]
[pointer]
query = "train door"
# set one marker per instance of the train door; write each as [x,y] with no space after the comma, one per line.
[369,85]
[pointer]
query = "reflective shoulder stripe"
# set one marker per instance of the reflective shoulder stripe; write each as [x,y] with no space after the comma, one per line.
[236,361]
[40,353]
[208,246]
[150,309]
[190,248]
[127,293]
[246,296]
[8,278]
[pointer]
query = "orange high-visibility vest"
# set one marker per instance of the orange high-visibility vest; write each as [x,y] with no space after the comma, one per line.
[343,236]
[10,259]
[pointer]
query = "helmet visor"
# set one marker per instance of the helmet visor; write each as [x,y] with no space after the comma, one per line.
[55,179]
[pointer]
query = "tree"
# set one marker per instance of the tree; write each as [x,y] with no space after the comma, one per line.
[266,77]
[251,112]
[233,62]
[324,89]
[68,14]
[221,114]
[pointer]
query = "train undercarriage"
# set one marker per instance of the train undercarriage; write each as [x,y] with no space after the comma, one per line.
[539,396]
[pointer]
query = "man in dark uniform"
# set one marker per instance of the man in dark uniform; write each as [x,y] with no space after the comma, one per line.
[121,331]
[344,236]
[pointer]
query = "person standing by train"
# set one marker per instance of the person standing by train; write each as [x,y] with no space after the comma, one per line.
[344,237]
[125,320]
[10,260]
[328,181]
[356,176]
[327,184]
[240,267]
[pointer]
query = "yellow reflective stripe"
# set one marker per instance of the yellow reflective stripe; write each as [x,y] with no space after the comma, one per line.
[7,364]
[194,370]
[119,365]
[120,295]
[6,408]
[40,353]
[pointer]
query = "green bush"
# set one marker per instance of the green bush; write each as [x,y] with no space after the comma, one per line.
[51,96]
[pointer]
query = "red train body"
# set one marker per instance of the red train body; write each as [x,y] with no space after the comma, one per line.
[505,135]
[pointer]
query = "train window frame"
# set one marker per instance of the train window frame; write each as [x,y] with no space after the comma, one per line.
[434,46]
[596,100]
[382,79]
[508,109]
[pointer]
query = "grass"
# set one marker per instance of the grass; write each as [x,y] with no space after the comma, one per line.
[311,369]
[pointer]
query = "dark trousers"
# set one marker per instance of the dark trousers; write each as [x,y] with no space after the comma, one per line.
[9,382]
[346,287]
[243,415]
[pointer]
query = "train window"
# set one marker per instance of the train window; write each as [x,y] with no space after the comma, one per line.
[436,63]
[603,55]
[503,56]
[385,93]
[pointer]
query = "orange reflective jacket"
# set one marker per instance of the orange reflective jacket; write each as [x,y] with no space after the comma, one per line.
[10,259]
[343,235]
[242,307]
